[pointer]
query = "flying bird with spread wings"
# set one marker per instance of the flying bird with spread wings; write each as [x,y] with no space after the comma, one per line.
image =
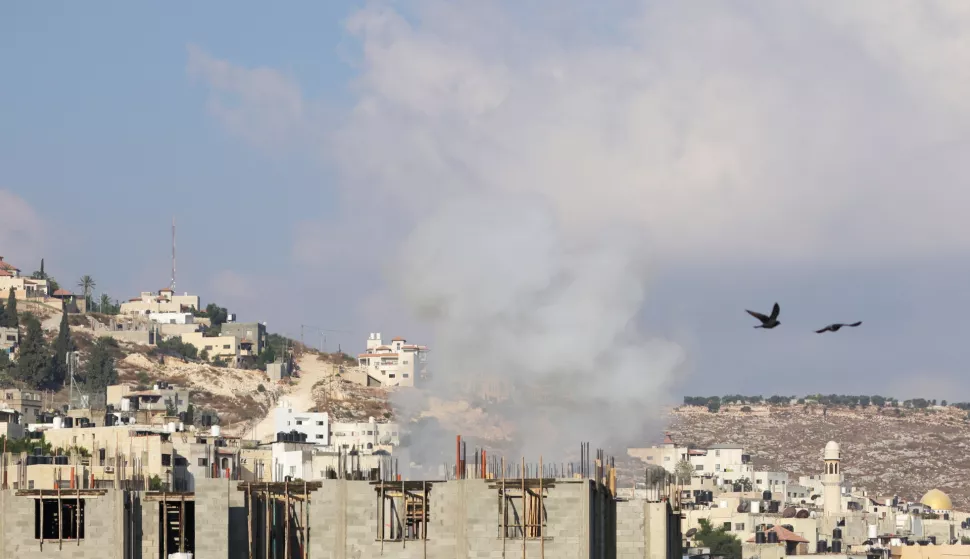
[836,327]
[767,322]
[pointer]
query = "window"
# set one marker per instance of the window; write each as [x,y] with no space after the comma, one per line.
[226,346]
[699,467]
[727,526]
[52,524]
[717,453]
[739,526]
[319,423]
[650,458]
[520,517]
[319,436]
[166,460]
[403,511]
[299,422]
[391,375]
[11,338]
[292,471]
[370,432]
[666,459]
[203,462]
[208,348]
[758,481]
[404,362]
[717,467]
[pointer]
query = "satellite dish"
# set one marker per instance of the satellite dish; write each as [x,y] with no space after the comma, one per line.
[690,533]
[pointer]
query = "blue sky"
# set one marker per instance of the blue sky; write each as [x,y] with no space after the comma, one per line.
[804,154]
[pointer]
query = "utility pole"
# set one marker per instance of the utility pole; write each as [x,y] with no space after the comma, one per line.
[173,255]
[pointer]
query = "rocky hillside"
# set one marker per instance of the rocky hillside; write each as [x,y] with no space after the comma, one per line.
[887,450]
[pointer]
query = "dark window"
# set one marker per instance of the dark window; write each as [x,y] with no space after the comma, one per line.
[518,516]
[203,461]
[166,460]
[51,523]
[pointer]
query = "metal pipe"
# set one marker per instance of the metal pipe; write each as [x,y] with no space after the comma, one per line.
[306,522]
[249,516]
[542,535]
[523,515]
[458,459]
[505,508]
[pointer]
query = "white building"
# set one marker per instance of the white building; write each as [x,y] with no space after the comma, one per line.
[396,364]
[364,436]
[776,482]
[367,436]
[165,301]
[172,317]
[316,425]
[727,462]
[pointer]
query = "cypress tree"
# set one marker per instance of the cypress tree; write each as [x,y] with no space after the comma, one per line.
[3,320]
[34,363]
[10,318]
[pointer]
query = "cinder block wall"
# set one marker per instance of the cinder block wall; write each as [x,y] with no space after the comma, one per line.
[150,537]
[104,533]
[213,499]
[631,538]
[464,523]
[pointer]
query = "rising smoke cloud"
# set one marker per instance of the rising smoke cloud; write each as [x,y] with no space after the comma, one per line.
[512,298]
[517,148]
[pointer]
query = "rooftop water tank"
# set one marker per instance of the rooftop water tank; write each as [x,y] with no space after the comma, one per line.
[755,507]
[58,422]
[873,531]
[216,431]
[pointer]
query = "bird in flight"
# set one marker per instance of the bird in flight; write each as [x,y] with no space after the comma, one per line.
[836,327]
[767,321]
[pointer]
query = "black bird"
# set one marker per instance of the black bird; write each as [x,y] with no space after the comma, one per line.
[835,327]
[767,321]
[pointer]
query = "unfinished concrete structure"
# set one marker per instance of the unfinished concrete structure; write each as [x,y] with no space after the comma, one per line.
[81,523]
[487,509]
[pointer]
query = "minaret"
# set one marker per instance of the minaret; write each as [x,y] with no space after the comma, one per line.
[832,479]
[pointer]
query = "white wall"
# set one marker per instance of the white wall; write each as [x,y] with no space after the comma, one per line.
[316,425]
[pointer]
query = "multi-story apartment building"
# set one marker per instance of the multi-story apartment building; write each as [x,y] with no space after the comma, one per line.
[396,364]
[25,402]
[253,333]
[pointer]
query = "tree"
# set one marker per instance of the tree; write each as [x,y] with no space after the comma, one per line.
[10,317]
[3,321]
[217,315]
[63,345]
[100,368]
[40,274]
[721,542]
[189,414]
[87,284]
[943,403]
[684,471]
[713,406]
[35,362]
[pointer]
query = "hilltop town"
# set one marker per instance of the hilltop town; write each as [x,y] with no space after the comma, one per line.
[161,401]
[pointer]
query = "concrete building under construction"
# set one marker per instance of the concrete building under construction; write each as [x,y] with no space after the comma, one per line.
[480,511]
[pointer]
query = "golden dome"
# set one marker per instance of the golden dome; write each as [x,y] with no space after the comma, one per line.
[937,500]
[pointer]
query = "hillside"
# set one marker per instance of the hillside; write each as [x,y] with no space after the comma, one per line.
[906,454]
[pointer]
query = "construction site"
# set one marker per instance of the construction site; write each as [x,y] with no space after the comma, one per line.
[486,507]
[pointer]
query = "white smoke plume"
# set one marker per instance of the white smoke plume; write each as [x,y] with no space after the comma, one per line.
[534,154]
[511,297]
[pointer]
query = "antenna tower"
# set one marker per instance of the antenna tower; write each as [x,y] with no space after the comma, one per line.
[173,255]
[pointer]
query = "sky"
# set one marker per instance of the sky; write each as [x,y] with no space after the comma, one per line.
[366,167]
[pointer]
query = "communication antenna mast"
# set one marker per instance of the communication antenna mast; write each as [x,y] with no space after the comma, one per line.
[73,361]
[173,254]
